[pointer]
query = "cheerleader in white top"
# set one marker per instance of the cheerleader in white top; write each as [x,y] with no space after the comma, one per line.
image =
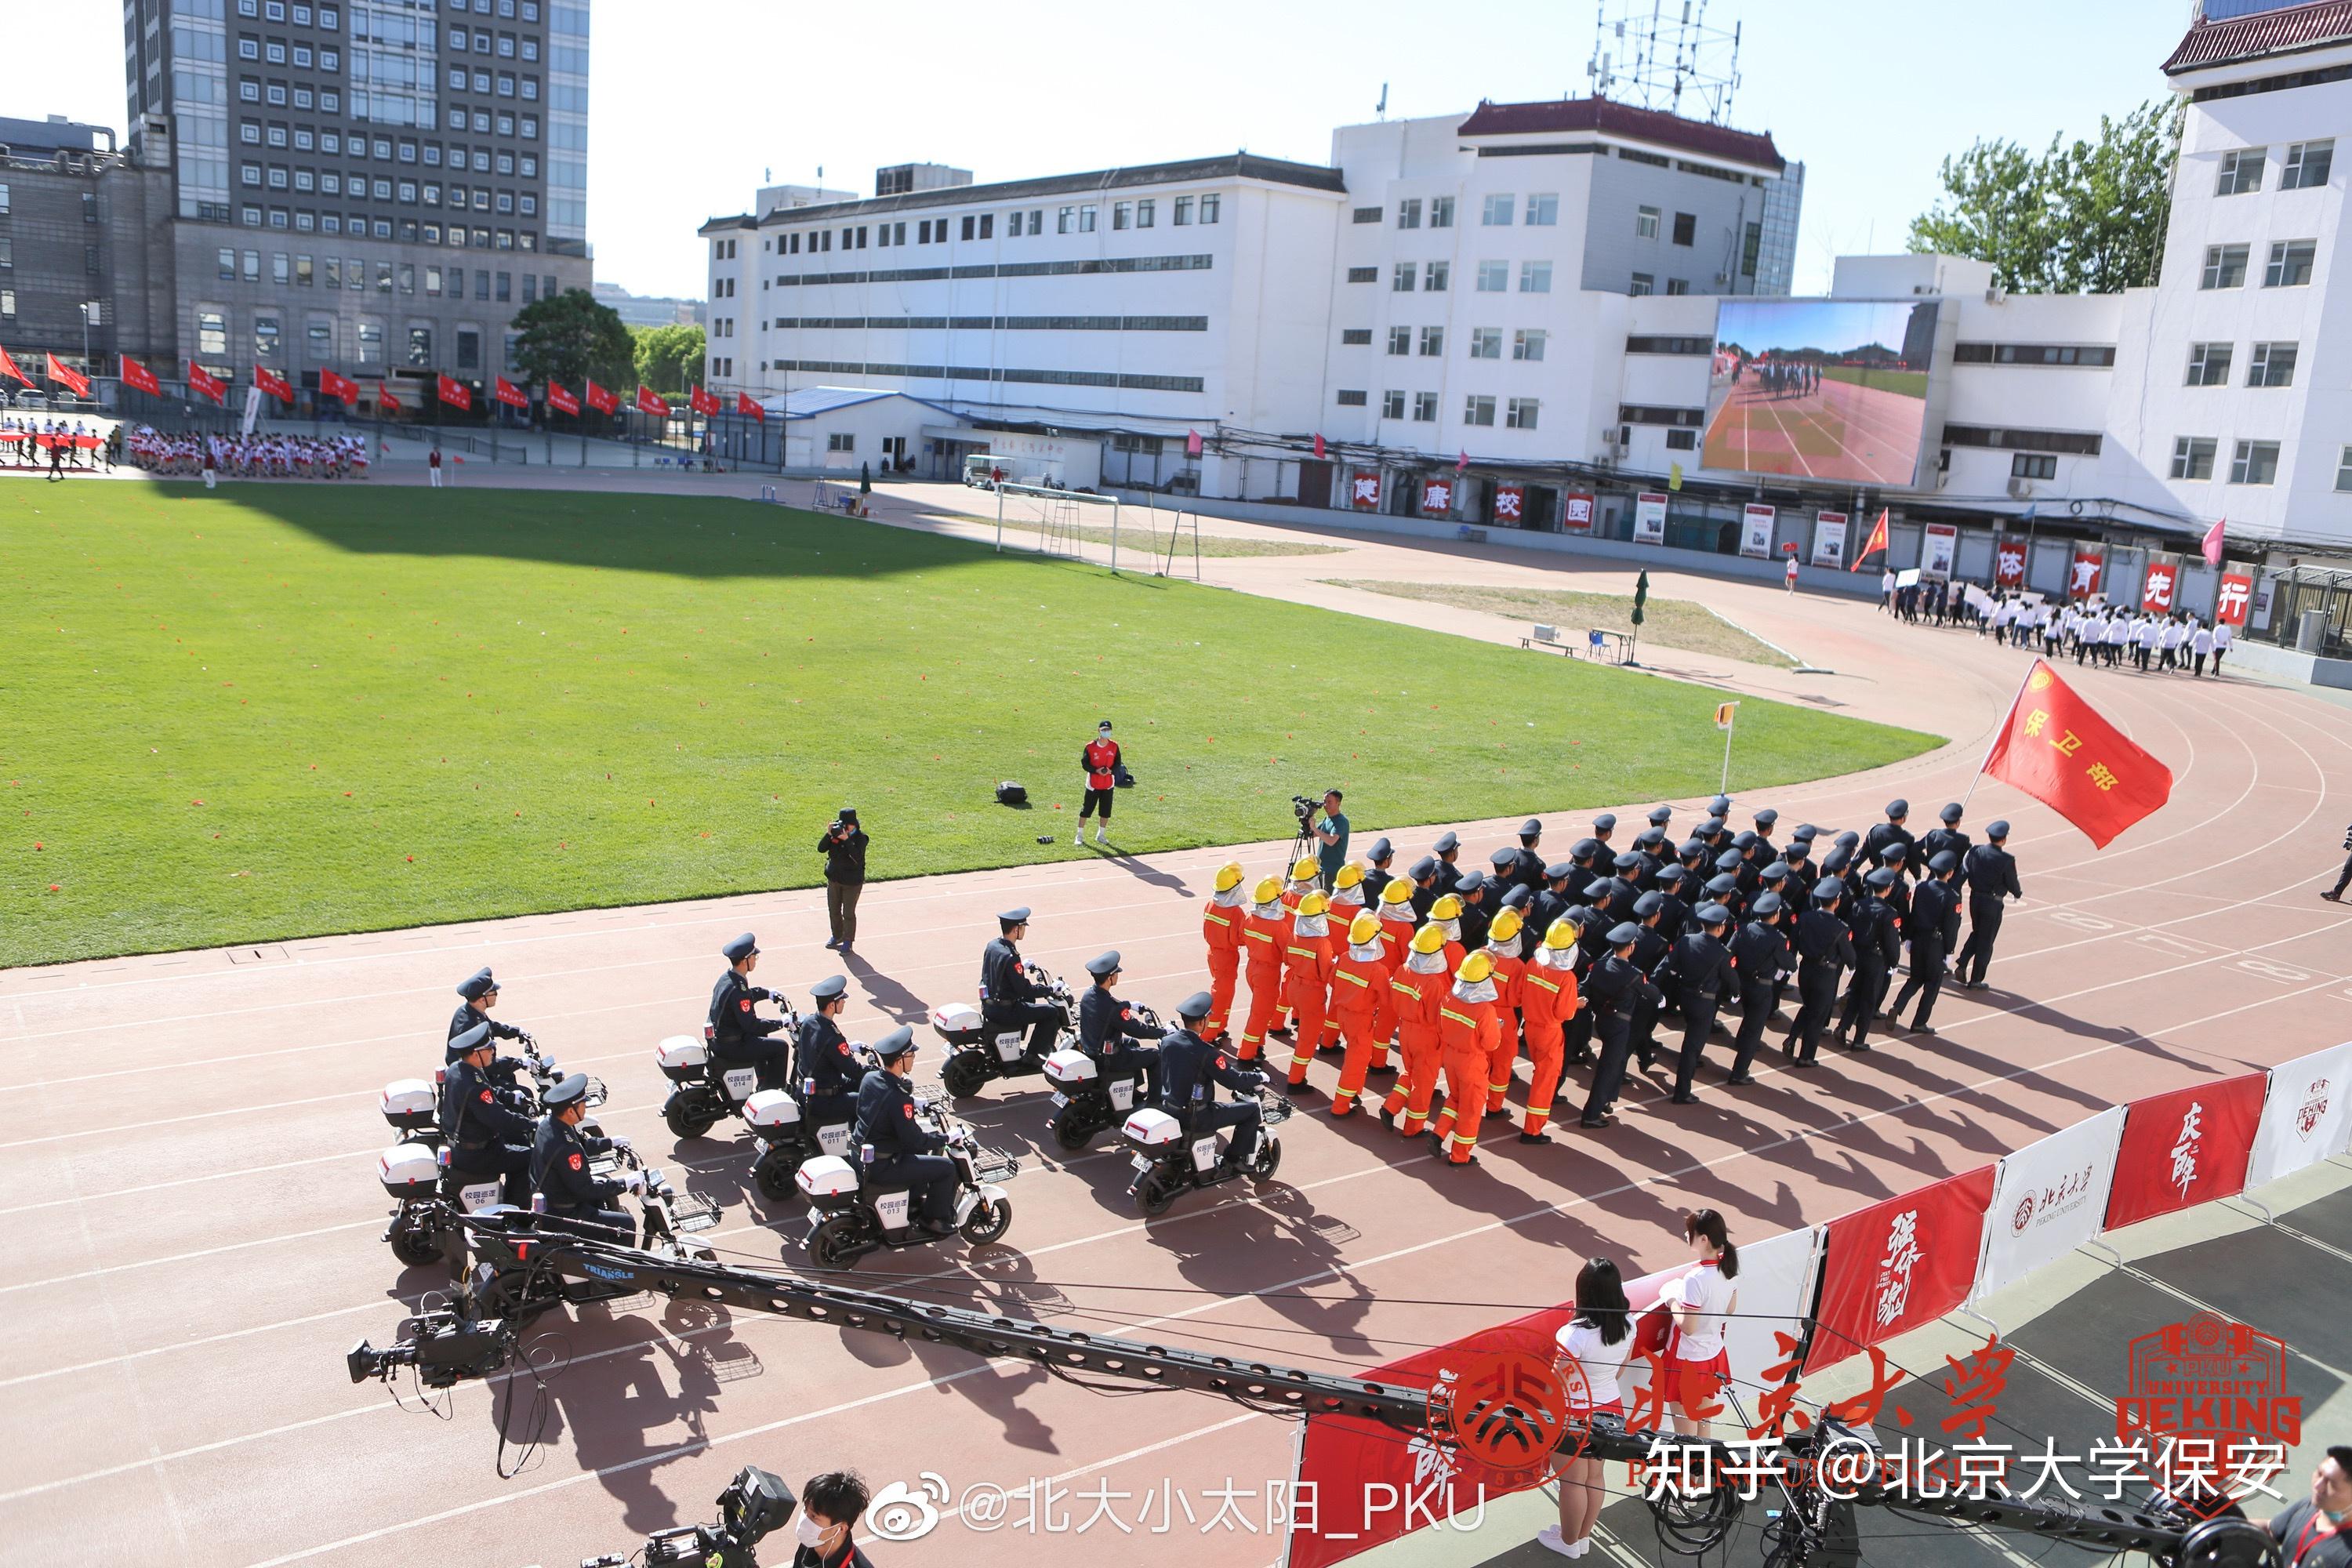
[1599,1337]
[1701,1302]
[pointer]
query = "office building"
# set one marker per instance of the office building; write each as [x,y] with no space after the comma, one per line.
[75,273]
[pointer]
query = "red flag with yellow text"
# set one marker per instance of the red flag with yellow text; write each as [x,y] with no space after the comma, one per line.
[1874,543]
[2057,749]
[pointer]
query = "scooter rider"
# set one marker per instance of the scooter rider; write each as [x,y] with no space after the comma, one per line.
[1107,1032]
[560,1153]
[737,1034]
[1008,999]
[824,1065]
[1190,1070]
[895,1146]
[487,1136]
[481,993]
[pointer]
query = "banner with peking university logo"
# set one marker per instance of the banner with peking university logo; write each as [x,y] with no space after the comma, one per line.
[2049,1198]
[2303,1115]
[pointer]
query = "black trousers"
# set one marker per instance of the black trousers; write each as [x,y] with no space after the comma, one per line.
[1925,982]
[841,908]
[930,1177]
[1616,1032]
[1097,803]
[1698,1017]
[1643,1034]
[1863,995]
[1984,929]
[1042,1019]
[511,1161]
[2345,878]
[1816,997]
[1576,1038]
[772,1056]
[2200,663]
[1241,1114]
[1755,1018]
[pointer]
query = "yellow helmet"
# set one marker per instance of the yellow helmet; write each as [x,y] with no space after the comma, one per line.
[1314,904]
[1305,869]
[1448,907]
[1474,968]
[1398,891]
[1229,876]
[1365,931]
[1506,926]
[1268,891]
[1351,876]
[1429,939]
[1560,935]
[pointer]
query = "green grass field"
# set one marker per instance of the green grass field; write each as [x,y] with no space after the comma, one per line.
[1909,382]
[310,708]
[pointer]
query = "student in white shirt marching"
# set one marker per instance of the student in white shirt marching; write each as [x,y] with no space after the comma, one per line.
[2169,649]
[1599,1337]
[2118,633]
[2221,637]
[1702,1302]
[2151,631]
[2201,643]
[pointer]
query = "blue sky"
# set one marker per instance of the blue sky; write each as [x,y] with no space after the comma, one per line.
[690,102]
[1834,325]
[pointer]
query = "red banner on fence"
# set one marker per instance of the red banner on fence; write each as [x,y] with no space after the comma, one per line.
[602,401]
[135,375]
[560,398]
[2009,563]
[341,387]
[1576,511]
[2233,598]
[1898,1264]
[2159,587]
[749,406]
[204,384]
[2186,1148]
[1511,504]
[651,402]
[270,382]
[2083,579]
[1364,493]
[1437,497]
[457,394]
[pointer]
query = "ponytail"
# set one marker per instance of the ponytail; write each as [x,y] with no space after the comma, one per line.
[1707,1225]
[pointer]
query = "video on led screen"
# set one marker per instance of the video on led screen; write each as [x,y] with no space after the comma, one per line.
[1821,389]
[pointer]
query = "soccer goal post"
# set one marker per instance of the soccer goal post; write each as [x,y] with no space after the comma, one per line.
[1054,522]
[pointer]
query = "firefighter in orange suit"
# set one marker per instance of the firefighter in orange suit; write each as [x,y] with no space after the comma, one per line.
[1503,1031]
[1463,1020]
[1306,877]
[1359,989]
[1265,932]
[1548,999]
[1307,962]
[1446,914]
[1221,927]
[1398,922]
[1419,987]
[1346,903]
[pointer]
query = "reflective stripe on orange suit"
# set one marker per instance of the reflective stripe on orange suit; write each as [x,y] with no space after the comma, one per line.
[1462,1049]
[1416,999]
[1221,927]
[1358,989]
[1307,991]
[1263,941]
[1547,1000]
[1503,1031]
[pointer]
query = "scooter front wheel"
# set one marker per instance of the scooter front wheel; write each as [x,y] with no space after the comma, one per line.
[988,1222]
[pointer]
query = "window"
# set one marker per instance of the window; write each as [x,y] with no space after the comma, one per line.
[2225,267]
[2307,165]
[1348,399]
[253,267]
[469,349]
[1485,343]
[2271,364]
[1644,283]
[1368,214]
[1685,228]
[1534,277]
[1183,210]
[1424,407]
[2192,459]
[1145,210]
[212,335]
[1122,215]
[1066,221]
[2255,463]
[1682,440]
[1392,406]
[1645,223]
[1433,342]
[1441,212]
[432,281]
[2209,364]
[1209,204]
[372,342]
[1436,275]
[506,287]
[2343,458]
[1519,413]
[1086,218]
[1363,274]
[2242,171]
[1401,280]
[228,264]
[1479,411]
[1496,212]
[1356,336]
[2033,466]
[1409,214]
[1494,276]
[1543,211]
[281,268]
[1528,343]
[841,441]
[2290,264]
[420,345]
[1400,340]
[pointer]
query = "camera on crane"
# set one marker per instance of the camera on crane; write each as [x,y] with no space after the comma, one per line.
[444,1348]
[754,1504]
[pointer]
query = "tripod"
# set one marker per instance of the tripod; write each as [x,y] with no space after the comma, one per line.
[1303,844]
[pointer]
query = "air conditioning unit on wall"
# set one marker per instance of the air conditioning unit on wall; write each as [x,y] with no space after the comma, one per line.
[2021,489]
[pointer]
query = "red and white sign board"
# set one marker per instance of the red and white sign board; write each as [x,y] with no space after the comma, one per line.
[2232,599]
[2303,1115]
[1364,491]
[2186,1148]
[1511,504]
[1898,1264]
[1437,497]
[1649,517]
[2159,587]
[2009,563]
[1756,531]
[2049,1198]
[1829,538]
[1940,544]
[1576,511]
[2089,567]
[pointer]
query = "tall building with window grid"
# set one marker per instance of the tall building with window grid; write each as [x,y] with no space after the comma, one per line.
[370,187]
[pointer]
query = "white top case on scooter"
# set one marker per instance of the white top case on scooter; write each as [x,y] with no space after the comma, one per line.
[681,1051]
[1068,1068]
[408,1097]
[771,1109]
[409,1171]
[953,1020]
[1152,1130]
[827,1176]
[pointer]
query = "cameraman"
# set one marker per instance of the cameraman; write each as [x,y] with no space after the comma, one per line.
[844,848]
[831,1506]
[1331,832]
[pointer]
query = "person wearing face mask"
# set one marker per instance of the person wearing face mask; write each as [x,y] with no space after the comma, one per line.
[2311,1531]
[826,1527]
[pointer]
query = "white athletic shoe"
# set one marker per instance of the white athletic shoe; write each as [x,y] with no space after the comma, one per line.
[1549,1538]
[1079,838]
[1102,835]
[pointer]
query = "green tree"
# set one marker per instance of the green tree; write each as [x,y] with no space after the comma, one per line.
[571,338]
[669,359]
[2084,218]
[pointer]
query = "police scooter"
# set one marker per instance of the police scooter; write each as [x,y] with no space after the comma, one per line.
[412,1106]
[853,1217]
[788,1138]
[414,1170]
[706,1087]
[1085,1101]
[977,1053]
[1168,1163]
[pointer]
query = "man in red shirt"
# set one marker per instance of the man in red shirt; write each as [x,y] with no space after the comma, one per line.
[1099,758]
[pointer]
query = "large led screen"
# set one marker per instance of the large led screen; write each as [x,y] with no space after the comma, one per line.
[1819,389]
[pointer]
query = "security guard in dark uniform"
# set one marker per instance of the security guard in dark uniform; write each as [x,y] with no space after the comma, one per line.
[1660,818]
[481,993]
[897,1149]
[560,1153]
[1602,827]
[737,1033]
[1824,951]
[1652,942]
[1890,832]
[1759,954]
[1008,998]
[1110,1035]
[1526,869]
[1477,909]
[486,1135]
[824,1066]
[1676,919]
[1876,949]
[1898,892]
[1698,970]
[1802,873]
[1991,872]
[1189,1071]
[1945,836]
[1724,889]
[1377,874]
[1766,820]
[1593,927]
[1424,875]
[1650,843]
[1551,901]
[1611,992]
[1933,926]
[1448,851]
